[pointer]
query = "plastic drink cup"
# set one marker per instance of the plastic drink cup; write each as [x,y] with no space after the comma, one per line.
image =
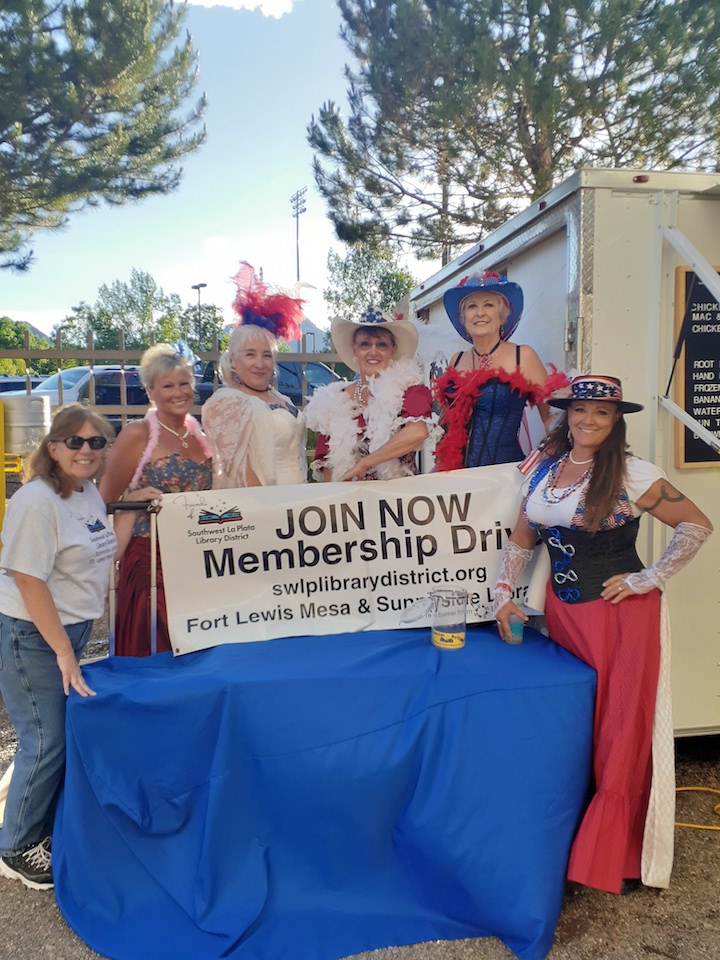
[449,608]
[517,626]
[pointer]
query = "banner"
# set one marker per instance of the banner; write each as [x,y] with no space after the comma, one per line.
[266,562]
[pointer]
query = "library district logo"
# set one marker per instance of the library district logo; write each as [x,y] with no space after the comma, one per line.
[227,516]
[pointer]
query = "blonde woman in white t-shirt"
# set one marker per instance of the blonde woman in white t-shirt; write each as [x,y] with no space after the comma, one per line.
[56,556]
[585,502]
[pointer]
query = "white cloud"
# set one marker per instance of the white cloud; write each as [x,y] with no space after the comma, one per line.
[269,8]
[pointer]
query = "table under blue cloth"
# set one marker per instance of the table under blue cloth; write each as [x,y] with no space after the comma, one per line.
[316,797]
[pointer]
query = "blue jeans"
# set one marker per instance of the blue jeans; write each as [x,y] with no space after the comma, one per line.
[31,686]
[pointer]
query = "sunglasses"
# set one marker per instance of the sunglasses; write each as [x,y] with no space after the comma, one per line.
[75,443]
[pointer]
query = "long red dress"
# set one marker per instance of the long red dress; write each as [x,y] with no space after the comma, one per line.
[171,474]
[622,642]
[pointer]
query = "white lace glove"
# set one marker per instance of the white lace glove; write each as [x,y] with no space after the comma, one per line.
[513,562]
[685,543]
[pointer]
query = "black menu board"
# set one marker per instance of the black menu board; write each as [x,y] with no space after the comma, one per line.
[697,315]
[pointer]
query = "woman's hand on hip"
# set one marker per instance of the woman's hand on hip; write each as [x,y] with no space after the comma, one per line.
[617,588]
[72,675]
[503,618]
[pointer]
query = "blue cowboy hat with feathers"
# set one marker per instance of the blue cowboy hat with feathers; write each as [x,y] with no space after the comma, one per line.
[489,282]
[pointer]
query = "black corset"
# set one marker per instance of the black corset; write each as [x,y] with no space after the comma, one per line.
[581,561]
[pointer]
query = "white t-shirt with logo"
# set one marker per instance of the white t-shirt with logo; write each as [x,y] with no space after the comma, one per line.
[67,543]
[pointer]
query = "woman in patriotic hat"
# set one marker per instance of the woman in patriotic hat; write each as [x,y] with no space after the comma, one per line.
[484,391]
[585,501]
[257,435]
[370,429]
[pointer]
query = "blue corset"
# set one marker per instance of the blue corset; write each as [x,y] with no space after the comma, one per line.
[494,426]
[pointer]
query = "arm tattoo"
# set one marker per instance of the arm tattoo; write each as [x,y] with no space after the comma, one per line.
[665,495]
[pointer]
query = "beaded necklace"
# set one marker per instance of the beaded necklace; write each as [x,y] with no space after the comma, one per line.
[359,387]
[181,437]
[484,358]
[549,495]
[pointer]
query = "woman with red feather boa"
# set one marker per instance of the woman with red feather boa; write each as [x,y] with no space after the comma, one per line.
[484,391]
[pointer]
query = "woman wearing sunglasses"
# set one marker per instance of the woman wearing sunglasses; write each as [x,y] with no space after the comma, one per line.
[57,548]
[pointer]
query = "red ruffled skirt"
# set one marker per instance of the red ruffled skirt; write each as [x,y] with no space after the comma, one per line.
[622,643]
[132,618]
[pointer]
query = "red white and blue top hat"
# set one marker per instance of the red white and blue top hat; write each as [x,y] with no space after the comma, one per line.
[589,387]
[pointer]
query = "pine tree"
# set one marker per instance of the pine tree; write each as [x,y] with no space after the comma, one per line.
[462,111]
[92,107]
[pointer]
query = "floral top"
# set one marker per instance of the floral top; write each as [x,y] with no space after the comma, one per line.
[172,474]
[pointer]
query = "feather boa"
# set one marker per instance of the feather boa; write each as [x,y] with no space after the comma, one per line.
[457,392]
[274,309]
[333,412]
[153,425]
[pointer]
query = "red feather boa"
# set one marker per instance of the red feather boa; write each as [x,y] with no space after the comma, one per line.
[457,392]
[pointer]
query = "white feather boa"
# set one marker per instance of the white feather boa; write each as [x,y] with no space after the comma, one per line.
[332,411]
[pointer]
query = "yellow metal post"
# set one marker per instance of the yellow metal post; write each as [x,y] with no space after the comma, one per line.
[2,460]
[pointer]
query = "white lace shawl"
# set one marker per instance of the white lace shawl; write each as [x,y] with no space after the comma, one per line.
[241,433]
[333,412]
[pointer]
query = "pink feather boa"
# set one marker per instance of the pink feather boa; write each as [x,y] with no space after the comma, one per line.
[151,418]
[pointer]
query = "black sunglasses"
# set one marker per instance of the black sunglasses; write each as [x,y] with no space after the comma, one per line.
[75,443]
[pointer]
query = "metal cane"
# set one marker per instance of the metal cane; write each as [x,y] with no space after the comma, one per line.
[136,505]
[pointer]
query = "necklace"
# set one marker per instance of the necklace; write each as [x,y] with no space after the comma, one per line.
[579,462]
[484,358]
[244,386]
[358,395]
[182,439]
[549,493]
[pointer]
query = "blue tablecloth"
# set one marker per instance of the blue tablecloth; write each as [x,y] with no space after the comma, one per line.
[316,797]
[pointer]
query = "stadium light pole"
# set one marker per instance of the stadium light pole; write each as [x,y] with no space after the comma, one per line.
[298,206]
[198,287]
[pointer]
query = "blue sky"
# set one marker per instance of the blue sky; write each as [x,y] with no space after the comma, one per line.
[265,71]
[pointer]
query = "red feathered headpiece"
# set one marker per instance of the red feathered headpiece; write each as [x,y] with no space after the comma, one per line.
[276,311]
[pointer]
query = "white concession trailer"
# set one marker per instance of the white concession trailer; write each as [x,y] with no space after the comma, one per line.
[620,274]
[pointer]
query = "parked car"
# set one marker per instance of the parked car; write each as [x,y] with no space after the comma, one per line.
[288,377]
[76,383]
[16,384]
[76,387]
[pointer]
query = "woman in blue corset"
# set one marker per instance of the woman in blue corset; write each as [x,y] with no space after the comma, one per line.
[483,392]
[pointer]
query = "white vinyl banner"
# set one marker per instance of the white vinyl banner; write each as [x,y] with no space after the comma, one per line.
[266,562]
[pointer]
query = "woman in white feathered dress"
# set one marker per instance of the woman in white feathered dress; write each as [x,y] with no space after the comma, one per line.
[256,434]
[370,429]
